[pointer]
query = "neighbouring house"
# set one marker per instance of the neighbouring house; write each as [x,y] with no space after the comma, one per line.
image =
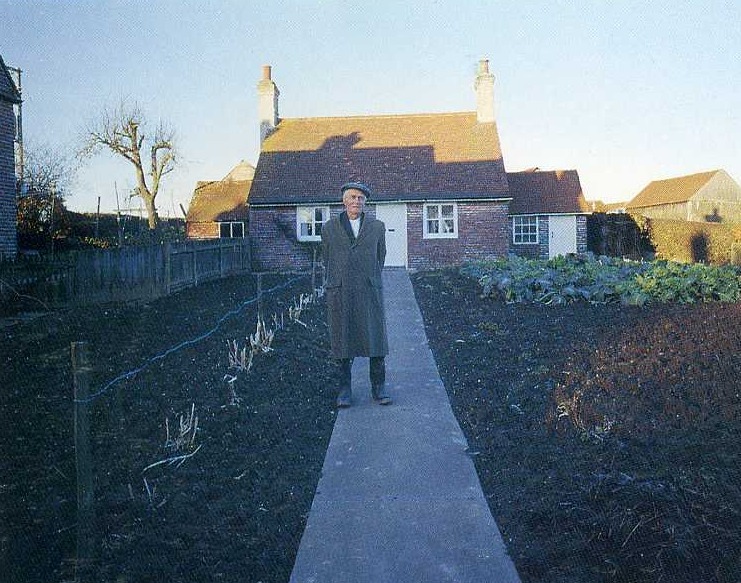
[548,213]
[439,185]
[712,197]
[219,208]
[9,97]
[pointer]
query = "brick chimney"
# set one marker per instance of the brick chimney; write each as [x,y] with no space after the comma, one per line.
[484,86]
[267,107]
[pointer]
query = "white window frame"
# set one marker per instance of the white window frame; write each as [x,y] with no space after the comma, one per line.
[231,229]
[307,216]
[446,226]
[522,236]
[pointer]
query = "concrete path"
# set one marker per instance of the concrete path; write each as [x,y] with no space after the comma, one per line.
[399,499]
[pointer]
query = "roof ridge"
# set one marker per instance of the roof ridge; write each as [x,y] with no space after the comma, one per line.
[377,116]
[693,175]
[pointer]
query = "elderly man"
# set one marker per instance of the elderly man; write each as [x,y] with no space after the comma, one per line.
[354,250]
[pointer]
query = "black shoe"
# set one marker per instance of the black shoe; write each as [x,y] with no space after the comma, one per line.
[380,395]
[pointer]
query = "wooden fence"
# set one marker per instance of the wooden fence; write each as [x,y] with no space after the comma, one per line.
[130,273]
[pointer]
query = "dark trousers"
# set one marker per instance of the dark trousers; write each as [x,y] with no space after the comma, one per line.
[377,372]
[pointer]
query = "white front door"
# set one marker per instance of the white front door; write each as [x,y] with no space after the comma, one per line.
[395,218]
[562,238]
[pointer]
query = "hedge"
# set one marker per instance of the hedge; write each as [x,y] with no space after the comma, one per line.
[690,242]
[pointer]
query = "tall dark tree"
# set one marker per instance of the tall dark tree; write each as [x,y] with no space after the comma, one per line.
[48,174]
[124,132]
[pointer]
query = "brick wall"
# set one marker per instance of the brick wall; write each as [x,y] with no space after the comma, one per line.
[540,250]
[8,233]
[483,233]
[537,250]
[581,233]
[274,243]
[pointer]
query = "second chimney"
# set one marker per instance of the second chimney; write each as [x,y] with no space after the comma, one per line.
[484,86]
[267,108]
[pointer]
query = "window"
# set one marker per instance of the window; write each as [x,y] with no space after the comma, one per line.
[441,221]
[231,230]
[309,221]
[525,230]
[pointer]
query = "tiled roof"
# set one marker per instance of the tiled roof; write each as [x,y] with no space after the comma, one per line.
[242,171]
[8,90]
[401,157]
[671,190]
[220,200]
[546,192]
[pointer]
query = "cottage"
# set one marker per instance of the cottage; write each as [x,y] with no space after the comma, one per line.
[548,213]
[712,197]
[439,185]
[9,97]
[219,208]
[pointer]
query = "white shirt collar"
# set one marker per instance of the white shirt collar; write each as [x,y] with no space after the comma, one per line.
[355,224]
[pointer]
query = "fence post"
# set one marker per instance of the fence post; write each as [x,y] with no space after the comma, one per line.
[168,267]
[85,511]
[194,248]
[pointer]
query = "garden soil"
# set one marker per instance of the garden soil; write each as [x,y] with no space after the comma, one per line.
[605,438]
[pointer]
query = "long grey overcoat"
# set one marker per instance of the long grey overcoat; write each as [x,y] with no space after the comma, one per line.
[354,292]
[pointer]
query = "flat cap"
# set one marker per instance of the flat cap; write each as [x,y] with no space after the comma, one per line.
[357,186]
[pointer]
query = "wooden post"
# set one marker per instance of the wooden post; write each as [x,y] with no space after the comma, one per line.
[168,268]
[194,248]
[85,498]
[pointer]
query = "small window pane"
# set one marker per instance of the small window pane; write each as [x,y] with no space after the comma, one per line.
[224,230]
[441,220]
[525,230]
[309,222]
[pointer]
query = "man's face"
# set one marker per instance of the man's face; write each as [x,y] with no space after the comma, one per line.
[354,201]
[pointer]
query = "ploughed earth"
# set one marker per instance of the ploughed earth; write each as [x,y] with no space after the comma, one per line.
[605,437]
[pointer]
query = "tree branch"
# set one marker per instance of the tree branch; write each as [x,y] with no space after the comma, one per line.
[120,132]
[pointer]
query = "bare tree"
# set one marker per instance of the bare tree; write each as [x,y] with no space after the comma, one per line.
[123,132]
[47,169]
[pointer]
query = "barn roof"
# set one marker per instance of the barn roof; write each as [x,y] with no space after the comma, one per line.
[671,190]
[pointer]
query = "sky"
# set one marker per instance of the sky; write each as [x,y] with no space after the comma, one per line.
[623,91]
